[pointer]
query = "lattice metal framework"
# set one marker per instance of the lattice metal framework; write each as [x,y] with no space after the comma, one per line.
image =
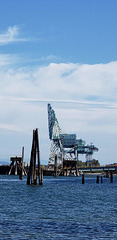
[65,146]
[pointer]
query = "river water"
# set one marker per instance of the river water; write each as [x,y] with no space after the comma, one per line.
[62,209]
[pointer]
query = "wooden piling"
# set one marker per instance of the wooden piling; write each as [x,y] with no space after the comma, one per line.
[34,156]
[66,171]
[101,179]
[33,159]
[97,181]
[21,165]
[16,169]
[11,167]
[83,179]
[17,164]
[40,170]
[28,179]
[20,177]
[111,177]
[76,170]
[107,174]
[41,177]
[35,169]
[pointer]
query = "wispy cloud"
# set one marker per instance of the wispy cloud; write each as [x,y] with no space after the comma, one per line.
[12,34]
[7,59]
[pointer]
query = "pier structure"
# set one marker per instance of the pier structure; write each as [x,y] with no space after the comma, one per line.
[17,164]
[35,170]
[65,148]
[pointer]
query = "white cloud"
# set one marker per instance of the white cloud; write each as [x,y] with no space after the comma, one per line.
[72,82]
[12,34]
[72,88]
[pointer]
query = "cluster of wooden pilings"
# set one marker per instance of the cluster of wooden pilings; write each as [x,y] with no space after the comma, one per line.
[17,165]
[99,178]
[66,168]
[35,172]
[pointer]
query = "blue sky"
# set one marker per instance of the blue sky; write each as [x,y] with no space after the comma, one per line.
[63,52]
[78,31]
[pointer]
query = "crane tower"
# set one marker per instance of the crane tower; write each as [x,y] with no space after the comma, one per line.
[63,145]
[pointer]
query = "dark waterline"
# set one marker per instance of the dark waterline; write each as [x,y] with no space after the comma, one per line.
[63,208]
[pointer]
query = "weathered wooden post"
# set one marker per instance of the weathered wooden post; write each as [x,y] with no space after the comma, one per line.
[30,175]
[34,170]
[111,177]
[41,177]
[107,174]
[21,165]
[38,157]
[35,151]
[83,179]
[40,170]
[97,181]
[16,168]
[101,179]
[11,167]
[66,171]
[28,178]
[32,158]
[76,170]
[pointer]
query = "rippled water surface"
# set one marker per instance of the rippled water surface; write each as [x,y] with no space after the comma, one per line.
[63,208]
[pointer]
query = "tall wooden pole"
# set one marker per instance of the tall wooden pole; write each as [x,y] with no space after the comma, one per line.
[111,177]
[101,179]
[21,165]
[83,179]
[33,171]
[32,158]
[16,168]
[41,177]
[40,174]
[34,155]
[97,181]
